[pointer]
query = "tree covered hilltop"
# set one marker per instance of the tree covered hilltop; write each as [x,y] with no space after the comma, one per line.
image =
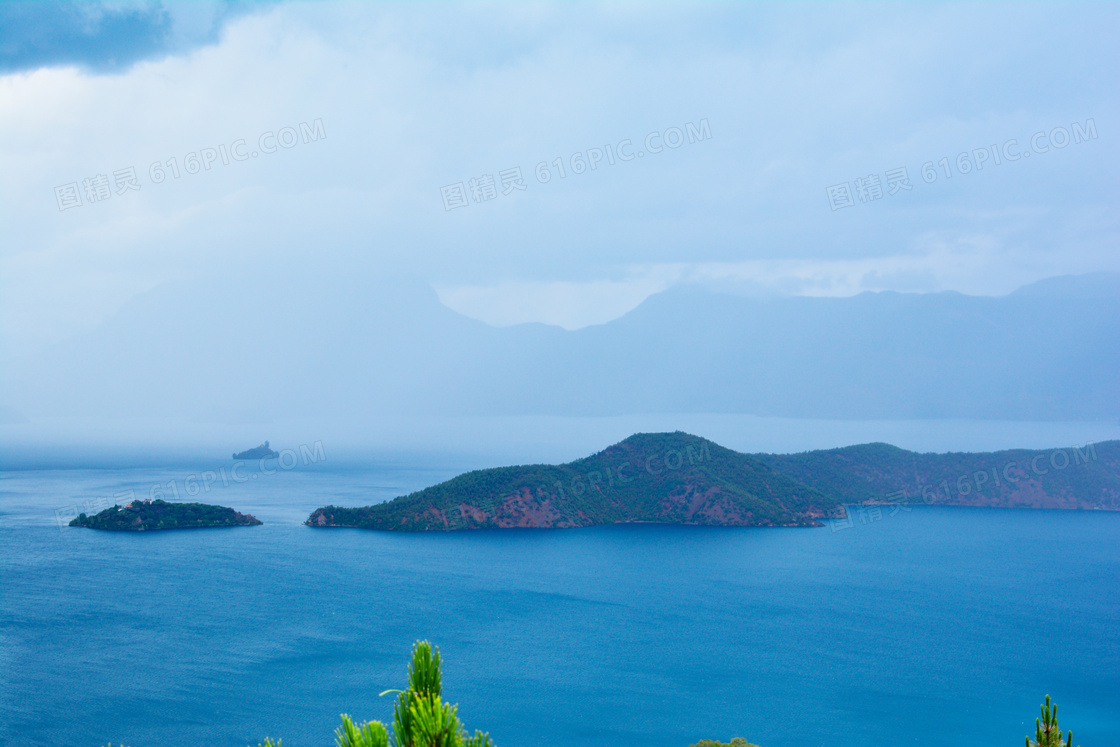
[147,515]
[656,477]
[679,478]
[1085,477]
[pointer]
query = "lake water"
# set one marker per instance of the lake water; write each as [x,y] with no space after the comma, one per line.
[931,627]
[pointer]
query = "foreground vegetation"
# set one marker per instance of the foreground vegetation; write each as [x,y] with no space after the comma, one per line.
[420,717]
[1047,733]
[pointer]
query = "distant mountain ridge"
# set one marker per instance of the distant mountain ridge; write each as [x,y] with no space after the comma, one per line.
[345,348]
[679,478]
[1085,477]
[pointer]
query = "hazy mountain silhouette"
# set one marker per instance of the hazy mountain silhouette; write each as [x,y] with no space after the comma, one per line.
[345,348]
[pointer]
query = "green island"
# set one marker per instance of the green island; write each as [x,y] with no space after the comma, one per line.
[679,478]
[147,515]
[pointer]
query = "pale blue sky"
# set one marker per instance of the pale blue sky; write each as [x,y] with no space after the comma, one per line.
[416,97]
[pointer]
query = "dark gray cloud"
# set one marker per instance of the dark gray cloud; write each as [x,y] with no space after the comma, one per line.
[105,37]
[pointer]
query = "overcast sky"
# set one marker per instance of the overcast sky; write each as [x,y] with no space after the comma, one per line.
[392,110]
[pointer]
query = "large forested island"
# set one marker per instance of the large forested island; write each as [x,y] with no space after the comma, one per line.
[141,516]
[683,479]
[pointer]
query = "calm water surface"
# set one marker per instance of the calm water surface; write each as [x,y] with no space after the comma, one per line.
[929,627]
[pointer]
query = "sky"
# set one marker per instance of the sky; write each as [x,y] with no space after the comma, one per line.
[389,111]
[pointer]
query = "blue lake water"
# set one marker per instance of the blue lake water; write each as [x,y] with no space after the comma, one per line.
[934,626]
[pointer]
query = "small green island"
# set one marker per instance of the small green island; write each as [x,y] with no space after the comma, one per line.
[148,515]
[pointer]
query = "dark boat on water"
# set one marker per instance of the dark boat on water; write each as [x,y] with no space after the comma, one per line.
[260,452]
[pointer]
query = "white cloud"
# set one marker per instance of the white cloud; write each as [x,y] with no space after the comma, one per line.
[416,97]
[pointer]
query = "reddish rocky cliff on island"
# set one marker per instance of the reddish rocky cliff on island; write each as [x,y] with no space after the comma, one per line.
[682,479]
